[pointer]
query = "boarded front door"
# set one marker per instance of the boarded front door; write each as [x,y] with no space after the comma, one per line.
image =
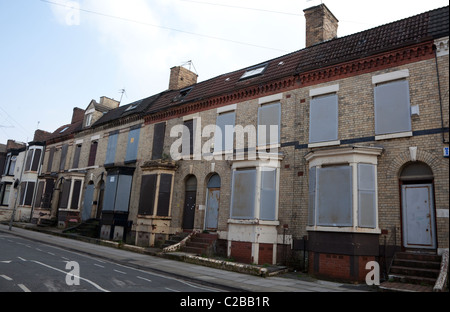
[418,216]
[212,203]
[189,203]
[212,209]
[87,203]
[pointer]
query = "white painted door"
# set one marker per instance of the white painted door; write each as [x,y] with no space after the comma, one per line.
[418,216]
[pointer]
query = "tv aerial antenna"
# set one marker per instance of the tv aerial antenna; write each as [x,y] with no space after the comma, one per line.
[122,91]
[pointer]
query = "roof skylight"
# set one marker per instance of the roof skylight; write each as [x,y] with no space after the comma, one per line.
[65,128]
[254,71]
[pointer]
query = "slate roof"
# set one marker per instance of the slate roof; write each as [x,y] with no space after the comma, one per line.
[136,108]
[412,30]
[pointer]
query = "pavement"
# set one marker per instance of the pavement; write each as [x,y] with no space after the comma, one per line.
[178,264]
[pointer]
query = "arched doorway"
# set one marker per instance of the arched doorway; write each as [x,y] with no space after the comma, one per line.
[189,202]
[418,211]
[212,203]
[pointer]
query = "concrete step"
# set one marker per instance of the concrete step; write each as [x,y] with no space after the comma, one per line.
[414,271]
[419,256]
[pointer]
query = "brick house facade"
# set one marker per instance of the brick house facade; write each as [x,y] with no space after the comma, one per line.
[359,124]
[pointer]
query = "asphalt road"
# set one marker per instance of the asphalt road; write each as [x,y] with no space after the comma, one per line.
[30,266]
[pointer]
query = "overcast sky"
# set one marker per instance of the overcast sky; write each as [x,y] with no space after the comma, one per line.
[58,54]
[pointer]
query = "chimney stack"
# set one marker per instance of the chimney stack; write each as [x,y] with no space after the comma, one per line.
[181,77]
[77,115]
[321,24]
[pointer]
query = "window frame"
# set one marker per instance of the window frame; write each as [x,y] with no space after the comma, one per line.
[317,95]
[70,197]
[351,156]
[381,81]
[111,148]
[225,140]
[154,212]
[258,166]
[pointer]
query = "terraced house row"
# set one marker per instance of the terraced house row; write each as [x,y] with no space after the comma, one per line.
[336,154]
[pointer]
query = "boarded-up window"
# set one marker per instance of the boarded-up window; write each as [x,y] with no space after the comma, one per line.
[76,194]
[39,193]
[111,148]
[187,145]
[334,198]
[50,159]
[123,193]
[224,133]
[30,154]
[147,195]
[158,140]
[392,107]
[133,143]
[92,153]
[76,156]
[36,159]
[165,186]
[323,118]
[243,194]
[312,197]
[109,199]
[48,193]
[6,190]
[269,124]
[117,192]
[33,159]
[64,196]
[29,194]
[268,194]
[366,196]
[62,162]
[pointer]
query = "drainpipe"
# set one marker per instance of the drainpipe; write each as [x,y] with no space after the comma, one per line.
[440,96]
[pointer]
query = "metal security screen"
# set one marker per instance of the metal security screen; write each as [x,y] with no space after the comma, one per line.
[334,198]
[323,119]
[392,107]
[243,201]
[366,196]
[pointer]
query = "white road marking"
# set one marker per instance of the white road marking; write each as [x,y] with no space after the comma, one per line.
[23,287]
[21,258]
[119,271]
[6,277]
[6,261]
[145,279]
[81,278]
[51,253]
[170,289]
[101,266]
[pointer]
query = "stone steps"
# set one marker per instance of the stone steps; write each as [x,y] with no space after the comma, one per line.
[409,270]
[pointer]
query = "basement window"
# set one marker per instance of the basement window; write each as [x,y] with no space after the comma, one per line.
[254,71]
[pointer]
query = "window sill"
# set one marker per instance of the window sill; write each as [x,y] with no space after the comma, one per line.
[154,217]
[253,222]
[347,229]
[393,135]
[327,143]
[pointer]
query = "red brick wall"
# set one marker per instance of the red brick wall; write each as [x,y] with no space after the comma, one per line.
[265,253]
[241,251]
[338,267]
